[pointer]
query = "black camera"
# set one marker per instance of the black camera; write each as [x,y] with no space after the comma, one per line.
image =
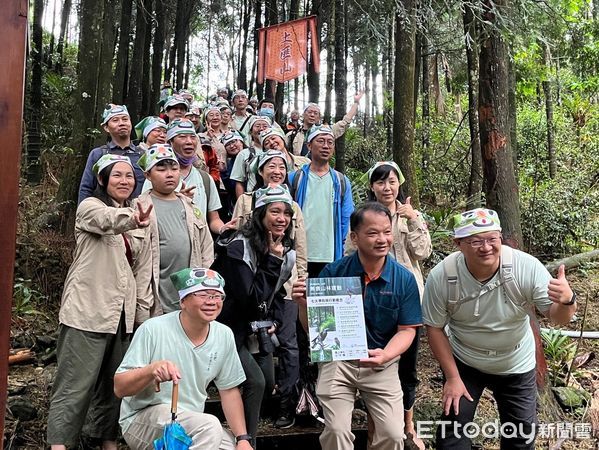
[266,342]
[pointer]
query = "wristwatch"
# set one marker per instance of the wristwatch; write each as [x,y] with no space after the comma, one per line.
[572,300]
[243,437]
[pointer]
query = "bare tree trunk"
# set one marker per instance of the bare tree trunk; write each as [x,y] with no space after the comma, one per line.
[475,183]
[64,18]
[549,115]
[388,86]
[313,77]
[87,114]
[257,26]
[403,99]
[426,100]
[374,73]
[120,78]
[417,68]
[49,55]
[158,50]
[500,184]
[107,47]
[172,56]
[181,34]
[340,80]
[33,161]
[242,82]
[146,85]
[513,114]
[330,62]
[136,72]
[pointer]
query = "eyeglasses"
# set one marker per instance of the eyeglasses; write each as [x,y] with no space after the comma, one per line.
[478,243]
[209,297]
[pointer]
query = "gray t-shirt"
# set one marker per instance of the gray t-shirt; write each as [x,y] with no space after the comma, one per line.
[175,248]
[490,322]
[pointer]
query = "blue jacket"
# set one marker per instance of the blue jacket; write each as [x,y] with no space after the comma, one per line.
[89,180]
[343,207]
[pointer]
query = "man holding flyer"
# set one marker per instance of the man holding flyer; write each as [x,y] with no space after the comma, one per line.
[392,312]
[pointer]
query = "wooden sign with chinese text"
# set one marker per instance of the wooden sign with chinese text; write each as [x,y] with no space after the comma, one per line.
[283,50]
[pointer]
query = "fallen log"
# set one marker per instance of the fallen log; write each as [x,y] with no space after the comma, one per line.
[573,261]
[20,357]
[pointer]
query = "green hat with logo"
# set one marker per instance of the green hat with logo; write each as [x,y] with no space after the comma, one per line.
[265,134]
[272,194]
[316,130]
[155,154]
[179,126]
[147,125]
[175,100]
[188,281]
[263,158]
[474,222]
[109,160]
[111,110]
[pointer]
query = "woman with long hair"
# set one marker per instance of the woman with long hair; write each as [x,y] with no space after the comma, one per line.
[257,260]
[107,293]
[411,244]
[270,168]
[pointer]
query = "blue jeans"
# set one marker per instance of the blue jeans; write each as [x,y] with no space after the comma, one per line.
[516,397]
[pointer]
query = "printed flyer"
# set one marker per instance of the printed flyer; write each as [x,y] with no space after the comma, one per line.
[336,319]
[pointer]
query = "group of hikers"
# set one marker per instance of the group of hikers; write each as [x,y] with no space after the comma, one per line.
[193,247]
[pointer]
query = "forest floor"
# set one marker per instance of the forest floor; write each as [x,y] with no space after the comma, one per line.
[30,383]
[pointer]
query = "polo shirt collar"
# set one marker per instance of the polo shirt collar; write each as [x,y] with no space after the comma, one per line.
[386,272]
[112,145]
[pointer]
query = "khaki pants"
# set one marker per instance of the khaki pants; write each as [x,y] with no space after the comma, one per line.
[205,429]
[336,389]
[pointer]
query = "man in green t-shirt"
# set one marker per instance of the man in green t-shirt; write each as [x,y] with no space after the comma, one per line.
[190,349]
[475,308]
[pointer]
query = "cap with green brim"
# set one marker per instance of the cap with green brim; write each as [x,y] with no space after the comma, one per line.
[265,134]
[175,100]
[188,281]
[317,130]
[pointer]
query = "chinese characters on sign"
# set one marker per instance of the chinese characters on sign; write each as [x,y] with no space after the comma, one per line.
[283,50]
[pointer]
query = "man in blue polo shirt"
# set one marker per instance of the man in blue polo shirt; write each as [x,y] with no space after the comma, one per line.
[392,312]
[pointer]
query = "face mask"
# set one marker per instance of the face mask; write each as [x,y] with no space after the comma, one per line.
[268,112]
[186,161]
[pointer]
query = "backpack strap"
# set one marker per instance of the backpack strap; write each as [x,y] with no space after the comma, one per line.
[507,275]
[297,177]
[450,267]
[342,184]
[206,183]
[244,123]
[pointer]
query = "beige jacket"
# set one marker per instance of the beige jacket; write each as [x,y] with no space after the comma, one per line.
[243,211]
[411,243]
[100,283]
[202,246]
[338,130]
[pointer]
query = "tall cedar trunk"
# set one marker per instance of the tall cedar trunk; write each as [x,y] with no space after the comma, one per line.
[107,46]
[119,83]
[388,86]
[272,18]
[242,82]
[367,95]
[313,77]
[146,85]
[475,183]
[426,100]
[137,69]
[340,80]
[500,184]
[403,99]
[513,113]
[86,115]
[257,26]
[549,115]
[172,56]
[330,61]
[34,167]
[294,14]
[417,67]
[374,74]
[181,33]
[158,50]
[64,18]
[187,64]
[48,56]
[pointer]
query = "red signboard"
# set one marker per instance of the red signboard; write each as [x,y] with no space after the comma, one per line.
[283,50]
